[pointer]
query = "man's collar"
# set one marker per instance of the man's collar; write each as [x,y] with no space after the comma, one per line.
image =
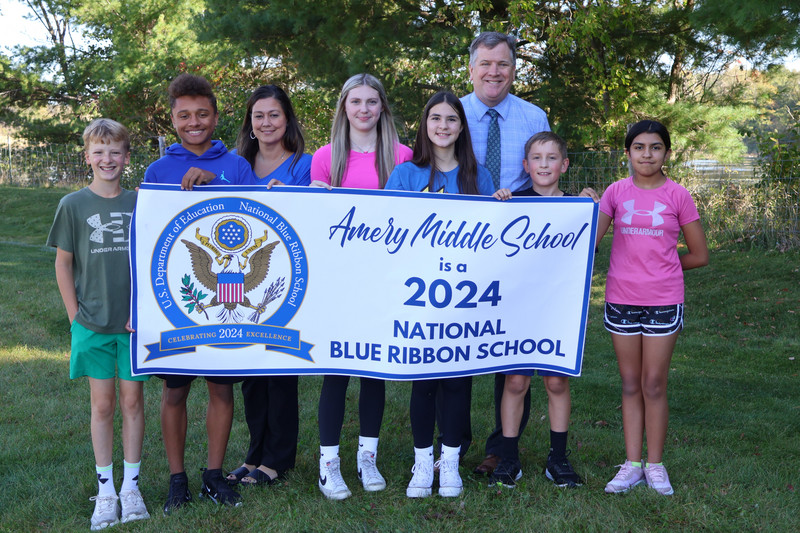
[502,108]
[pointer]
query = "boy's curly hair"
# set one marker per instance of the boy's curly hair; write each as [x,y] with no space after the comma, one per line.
[190,85]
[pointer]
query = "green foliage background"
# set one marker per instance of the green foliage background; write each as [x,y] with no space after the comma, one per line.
[593,65]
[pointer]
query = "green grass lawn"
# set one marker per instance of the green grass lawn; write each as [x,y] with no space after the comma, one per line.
[732,447]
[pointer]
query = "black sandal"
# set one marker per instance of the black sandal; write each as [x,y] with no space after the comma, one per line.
[237,474]
[260,478]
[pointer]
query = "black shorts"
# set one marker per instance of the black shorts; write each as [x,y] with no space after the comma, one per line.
[178,381]
[648,320]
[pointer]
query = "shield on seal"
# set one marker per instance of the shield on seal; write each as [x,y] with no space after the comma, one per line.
[230,287]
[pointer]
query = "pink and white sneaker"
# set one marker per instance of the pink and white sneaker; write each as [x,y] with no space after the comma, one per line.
[628,477]
[657,479]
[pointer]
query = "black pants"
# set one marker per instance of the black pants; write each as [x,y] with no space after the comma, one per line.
[371,401]
[271,412]
[450,398]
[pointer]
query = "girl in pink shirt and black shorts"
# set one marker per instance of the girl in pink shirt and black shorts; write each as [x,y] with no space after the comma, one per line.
[645,295]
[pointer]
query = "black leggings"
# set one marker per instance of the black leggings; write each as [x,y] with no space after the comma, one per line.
[371,401]
[454,409]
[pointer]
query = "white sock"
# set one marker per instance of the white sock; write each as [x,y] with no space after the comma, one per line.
[368,443]
[450,453]
[422,455]
[105,480]
[328,453]
[130,481]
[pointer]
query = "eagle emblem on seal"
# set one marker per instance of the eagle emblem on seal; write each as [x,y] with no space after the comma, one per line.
[244,263]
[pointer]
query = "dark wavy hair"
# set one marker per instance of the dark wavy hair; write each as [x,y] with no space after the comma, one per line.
[293,140]
[648,126]
[191,85]
[423,147]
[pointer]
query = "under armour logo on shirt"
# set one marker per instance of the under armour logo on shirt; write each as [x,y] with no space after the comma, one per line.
[630,210]
[116,227]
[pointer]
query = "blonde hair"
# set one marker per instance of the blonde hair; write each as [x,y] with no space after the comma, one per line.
[340,133]
[105,130]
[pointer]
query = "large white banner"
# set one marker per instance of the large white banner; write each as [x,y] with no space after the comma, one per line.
[392,285]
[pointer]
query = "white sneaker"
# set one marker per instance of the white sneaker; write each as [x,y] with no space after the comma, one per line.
[422,480]
[628,477]
[368,472]
[133,507]
[331,482]
[450,484]
[106,512]
[658,480]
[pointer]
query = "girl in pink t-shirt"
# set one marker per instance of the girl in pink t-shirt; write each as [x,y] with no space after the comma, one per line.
[364,148]
[644,294]
[363,152]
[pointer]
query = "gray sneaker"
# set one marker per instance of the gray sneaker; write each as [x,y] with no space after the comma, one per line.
[106,512]
[133,507]
[368,472]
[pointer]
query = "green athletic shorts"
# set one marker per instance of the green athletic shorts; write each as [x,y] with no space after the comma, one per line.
[99,355]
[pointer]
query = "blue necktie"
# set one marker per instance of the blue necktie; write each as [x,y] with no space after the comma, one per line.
[493,149]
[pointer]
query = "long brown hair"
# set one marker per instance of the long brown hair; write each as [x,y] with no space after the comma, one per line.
[292,141]
[424,155]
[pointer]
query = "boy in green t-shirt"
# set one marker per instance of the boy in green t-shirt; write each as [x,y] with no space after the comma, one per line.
[91,234]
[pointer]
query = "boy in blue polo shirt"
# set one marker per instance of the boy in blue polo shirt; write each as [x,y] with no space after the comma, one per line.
[91,233]
[197,159]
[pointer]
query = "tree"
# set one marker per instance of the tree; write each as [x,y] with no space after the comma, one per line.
[147,43]
[130,51]
[43,84]
[601,65]
[594,65]
[20,86]
[62,55]
[762,28]
[588,62]
[414,47]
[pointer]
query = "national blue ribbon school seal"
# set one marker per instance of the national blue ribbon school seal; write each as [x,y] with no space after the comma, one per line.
[229,273]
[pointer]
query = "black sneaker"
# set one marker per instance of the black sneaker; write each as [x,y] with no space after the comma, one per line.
[560,472]
[178,492]
[216,488]
[506,474]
